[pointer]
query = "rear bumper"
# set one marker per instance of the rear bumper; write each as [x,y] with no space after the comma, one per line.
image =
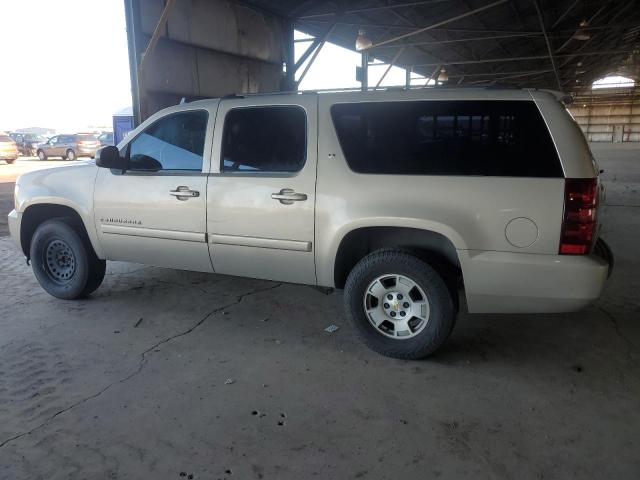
[503,282]
[4,155]
[14,226]
[87,152]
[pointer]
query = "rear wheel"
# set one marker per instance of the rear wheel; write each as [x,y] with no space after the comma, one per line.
[63,260]
[71,155]
[41,155]
[9,162]
[399,304]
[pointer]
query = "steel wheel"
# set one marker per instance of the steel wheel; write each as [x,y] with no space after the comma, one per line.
[41,155]
[396,306]
[71,155]
[59,261]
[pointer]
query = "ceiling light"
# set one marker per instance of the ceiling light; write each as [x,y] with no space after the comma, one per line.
[582,34]
[442,76]
[362,41]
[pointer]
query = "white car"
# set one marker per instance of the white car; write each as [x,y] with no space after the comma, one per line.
[410,201]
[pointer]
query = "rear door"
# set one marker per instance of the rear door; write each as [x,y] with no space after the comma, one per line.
[261,194]
[155,212]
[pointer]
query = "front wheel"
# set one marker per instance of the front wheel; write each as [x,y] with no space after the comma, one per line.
[41,155]
[399,304]
[9,162]
[63,260]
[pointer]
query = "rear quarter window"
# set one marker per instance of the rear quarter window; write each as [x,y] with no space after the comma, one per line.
[488,138]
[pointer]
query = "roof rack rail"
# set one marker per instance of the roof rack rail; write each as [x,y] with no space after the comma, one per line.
[391,88]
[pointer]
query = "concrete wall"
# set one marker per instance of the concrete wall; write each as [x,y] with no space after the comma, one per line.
[609,115]
[209,48]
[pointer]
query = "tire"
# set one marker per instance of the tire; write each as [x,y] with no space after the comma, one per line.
[41,155]
[71,155]
[9,162]
[429,298]
[63,260]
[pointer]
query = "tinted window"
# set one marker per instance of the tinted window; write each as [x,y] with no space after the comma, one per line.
[34,138]
[264,139]
[175,142]
[499,138]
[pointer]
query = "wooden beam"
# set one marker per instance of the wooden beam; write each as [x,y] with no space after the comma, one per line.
[162,22]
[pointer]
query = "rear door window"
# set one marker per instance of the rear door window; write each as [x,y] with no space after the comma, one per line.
[264,139]
[491,138]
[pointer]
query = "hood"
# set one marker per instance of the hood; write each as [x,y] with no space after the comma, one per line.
[69,185]
[69,170]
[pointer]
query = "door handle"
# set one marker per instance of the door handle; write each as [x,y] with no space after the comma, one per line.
[184,193]
[286,196]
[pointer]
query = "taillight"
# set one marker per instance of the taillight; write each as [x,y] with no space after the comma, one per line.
[580,211]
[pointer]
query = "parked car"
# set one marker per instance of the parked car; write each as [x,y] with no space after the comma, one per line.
[413,202]
[27,143]
[8,149]
[69,146]
[106,139]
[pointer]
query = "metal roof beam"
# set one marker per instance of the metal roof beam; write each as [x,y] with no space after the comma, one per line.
[564,14]
[530,57]
[443,22]
[321,43]
[546,39]
[391,64]
[457,40]
[314,44]
[378,7]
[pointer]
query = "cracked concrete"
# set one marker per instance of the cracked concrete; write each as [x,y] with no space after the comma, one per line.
[143,361]
[131,383]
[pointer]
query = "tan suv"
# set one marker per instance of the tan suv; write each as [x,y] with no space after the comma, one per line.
[414,202]
[69,146]
[8,149]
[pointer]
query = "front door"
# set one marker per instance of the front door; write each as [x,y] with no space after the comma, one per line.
[261,192]
[51,148]
[154,213]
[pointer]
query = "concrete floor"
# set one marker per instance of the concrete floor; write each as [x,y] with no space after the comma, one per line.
[165,374]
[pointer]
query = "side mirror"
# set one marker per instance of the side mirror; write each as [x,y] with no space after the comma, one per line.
[109,157]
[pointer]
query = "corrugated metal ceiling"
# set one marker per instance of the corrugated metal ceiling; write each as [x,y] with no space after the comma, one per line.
[487,40]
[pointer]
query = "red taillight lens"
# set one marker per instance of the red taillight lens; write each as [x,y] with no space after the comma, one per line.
[580,211]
